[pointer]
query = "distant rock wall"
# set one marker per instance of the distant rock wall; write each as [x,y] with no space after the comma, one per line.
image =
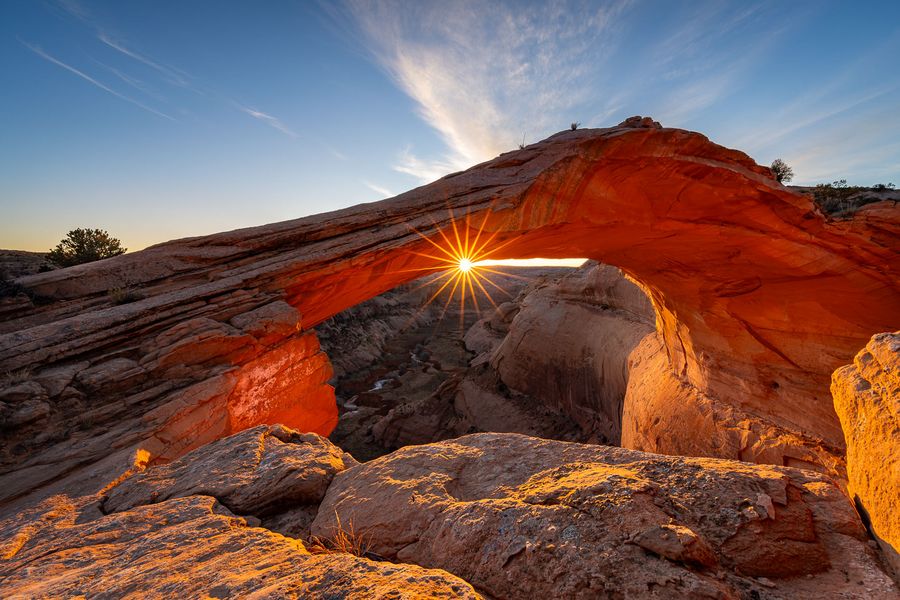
[569,345]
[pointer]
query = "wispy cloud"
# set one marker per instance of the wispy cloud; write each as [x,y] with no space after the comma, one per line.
[268,120]
[481,74]
[40,52]
[172,75]
[383,191]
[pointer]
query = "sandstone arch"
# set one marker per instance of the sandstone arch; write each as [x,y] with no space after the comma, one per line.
[758,296]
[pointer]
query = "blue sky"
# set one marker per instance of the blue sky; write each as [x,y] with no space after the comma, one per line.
[164,119]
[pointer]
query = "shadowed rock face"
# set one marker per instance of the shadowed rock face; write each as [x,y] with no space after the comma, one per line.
[758,298]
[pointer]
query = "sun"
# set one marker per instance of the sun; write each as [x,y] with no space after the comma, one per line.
[460,264]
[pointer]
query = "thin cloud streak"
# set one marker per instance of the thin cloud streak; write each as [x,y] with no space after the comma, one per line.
[268,120]
[37,50]
[174,76]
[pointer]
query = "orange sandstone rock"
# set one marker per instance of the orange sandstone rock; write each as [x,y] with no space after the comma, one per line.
[867,399]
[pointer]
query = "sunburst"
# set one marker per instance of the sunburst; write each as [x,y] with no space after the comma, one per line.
[462,264]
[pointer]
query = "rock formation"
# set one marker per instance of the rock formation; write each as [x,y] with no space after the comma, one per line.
[758,297]
[502,515]
[169,533]
[519,517]
[867,400]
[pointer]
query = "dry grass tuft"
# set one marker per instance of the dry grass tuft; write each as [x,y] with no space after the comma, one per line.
[11,378]
[342,540]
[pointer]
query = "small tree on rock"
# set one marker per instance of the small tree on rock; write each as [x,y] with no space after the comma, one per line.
[83,246]
[782,172]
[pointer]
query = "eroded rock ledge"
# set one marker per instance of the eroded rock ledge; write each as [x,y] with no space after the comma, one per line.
[758,297]
[502,514]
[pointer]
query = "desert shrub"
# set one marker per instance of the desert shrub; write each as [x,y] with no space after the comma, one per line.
[10,289]
[83,246]
[782,172]
[842,200]
[881,187]
[122,295]
[575,125]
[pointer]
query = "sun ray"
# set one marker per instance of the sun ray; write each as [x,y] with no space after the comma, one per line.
[437,268]
[441,289]
[447,273]
[478,234]
[435,244]
[455,231]
[477,279]
[455,268]
[450,295]
[469,277]
[488,279]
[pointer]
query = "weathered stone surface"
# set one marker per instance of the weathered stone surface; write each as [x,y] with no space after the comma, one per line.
[522,517]
[187,548]
[260,471]
[758,296]
[569,345]
[661,408]
[194,382]
[867,400]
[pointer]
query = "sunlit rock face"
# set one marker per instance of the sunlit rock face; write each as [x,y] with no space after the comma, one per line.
[522,517]
[227,520]
[758,297]
[867,400]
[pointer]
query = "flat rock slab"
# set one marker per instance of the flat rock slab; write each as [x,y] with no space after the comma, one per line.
[188,548]
[522,517]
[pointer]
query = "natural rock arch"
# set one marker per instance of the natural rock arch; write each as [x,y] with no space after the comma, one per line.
[759,297]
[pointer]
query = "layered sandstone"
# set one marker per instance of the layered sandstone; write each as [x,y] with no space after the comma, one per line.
[504,515]
[867,400]
[522,517]
[191,529]
[758,298]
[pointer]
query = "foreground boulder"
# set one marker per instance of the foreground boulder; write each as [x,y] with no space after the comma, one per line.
[867,399]
[522,517]
[270,472]
[174,532]
[190,547]
[663,414]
